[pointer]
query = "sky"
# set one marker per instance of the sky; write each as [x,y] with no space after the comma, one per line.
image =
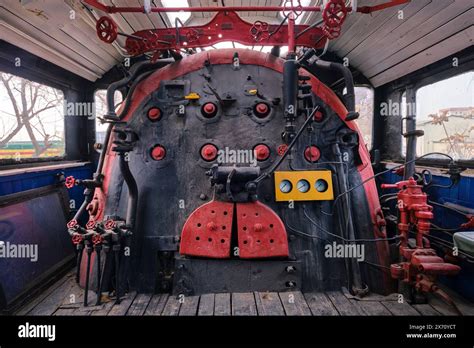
[456,91]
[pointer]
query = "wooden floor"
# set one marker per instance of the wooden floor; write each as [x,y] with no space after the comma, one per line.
[65,298]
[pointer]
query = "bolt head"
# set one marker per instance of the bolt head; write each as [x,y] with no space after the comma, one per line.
[154,114]
[158,153]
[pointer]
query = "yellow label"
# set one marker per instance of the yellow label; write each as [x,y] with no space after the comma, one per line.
[310,185]
[192,96]
[253,91]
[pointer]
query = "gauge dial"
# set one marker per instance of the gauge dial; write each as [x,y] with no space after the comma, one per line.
[303,186]
[321,185]
[285,186]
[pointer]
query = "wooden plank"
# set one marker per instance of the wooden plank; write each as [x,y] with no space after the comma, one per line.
[294,303]
[35,301]
[64,312]
[206,305]
[222,304]
[49,35]
[342,304]
[243,303]
[371,307]
[139,305]
[172,306]
[269,303]
[123,306]
[464,305]
[189,306]
[442,306]
[410,35]
[50,303]
[380,26]
[425,309]
[443,49]
[378,38]
[86,311]
[104,309]
[319,304]
[399,308]
[401,36]
[157,304]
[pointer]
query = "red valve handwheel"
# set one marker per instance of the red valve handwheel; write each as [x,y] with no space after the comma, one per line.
[77,238]
[334,13]
[107,30]
[70,182]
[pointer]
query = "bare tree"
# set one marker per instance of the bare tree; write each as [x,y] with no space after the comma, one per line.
[29,101]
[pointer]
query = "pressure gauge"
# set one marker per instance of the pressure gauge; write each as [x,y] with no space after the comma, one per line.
[303,186]
[321,185]
[285,186]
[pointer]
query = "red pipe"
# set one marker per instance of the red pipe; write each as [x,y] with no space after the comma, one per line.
[140,9]
[291,33]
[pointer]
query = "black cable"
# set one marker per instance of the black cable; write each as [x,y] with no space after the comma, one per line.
[376,265]
[314,25]
[449,208]
[382,173]
[444,229]
[344,239]
[279,27]
[288,149]
[305,234]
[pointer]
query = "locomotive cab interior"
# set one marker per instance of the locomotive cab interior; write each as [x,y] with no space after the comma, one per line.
[215,157]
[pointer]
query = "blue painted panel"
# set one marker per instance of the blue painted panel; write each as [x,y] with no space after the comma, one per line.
[28,181]
[34,243]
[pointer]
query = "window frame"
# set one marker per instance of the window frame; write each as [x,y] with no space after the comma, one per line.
[435,162]
[372,131]
[9,163]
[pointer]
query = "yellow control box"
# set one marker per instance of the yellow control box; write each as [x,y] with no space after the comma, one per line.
[311,185]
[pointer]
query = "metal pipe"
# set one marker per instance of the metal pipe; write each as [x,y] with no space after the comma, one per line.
[347,224]
[349,97]
[141,9]
[134,71]
[86,288]
[99,276]
[291,33]
[410,136]
[132,192]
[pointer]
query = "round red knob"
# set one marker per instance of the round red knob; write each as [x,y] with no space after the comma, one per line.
[209,152]
[76,238]
[312,154]
[97,239]
[262,152]
[209,110]
[318,116]
[282,149]
[262,110]
[154,114]
[72,224]
[70,182]
[158,153]
[110,224]
[90,225]
[258,227]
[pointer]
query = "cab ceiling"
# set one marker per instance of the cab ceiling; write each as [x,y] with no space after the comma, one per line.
[383,46]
